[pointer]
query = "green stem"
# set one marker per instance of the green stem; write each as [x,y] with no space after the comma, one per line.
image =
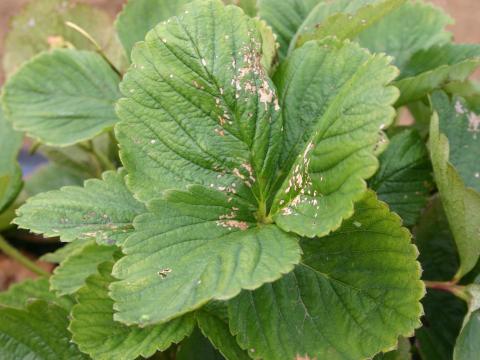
[262,216]
[103,160]
[451,287]
[90,38]
[18,256]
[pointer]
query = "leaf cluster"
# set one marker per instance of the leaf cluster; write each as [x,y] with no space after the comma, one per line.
[234,180]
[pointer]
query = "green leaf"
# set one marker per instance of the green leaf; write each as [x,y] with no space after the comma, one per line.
[401,353]
[335,101]
[430,69]
[62,97]
[113,340]
[462,204]
[361,280]
[269,45]
[249,6]
[404,179]
[469,90]
[194,247]
[37,332]
[197,347]
[103,210]
[10,172]
[199,108]
[434,239]
[51,177]
[213,322]
[344,19]
[78,266]
[140,16]
[461,125]
[41,26]
[65,251]
[468,346]
[412,27]
[285,17]
[21,294]
[444,312]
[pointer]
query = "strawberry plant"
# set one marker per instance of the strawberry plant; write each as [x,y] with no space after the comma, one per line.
[233,180]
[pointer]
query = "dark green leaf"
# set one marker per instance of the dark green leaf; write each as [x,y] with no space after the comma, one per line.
[21,294]
[197,347]
[404,178]
[468,344]
[285,17]
[461,125]
[428,70]
[461,204]
[213,322]
[113,340]
[360,282]
[37,332]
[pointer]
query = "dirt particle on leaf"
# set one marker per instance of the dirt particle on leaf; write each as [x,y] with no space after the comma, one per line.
[164,272]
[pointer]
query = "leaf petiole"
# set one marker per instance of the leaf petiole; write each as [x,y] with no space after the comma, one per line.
[18,256]
[451,287]
[94,42]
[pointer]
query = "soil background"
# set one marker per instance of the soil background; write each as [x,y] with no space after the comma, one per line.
[466,30]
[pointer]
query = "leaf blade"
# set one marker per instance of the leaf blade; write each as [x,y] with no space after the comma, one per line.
[62,97]
[113,339]
[103,210]
[194,247]
[346,283]
[321,177]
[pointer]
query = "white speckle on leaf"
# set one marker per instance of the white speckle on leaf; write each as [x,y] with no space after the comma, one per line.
[459,107]
[477,175]
[357,224]
[31,22]
[204,62]
[473,123]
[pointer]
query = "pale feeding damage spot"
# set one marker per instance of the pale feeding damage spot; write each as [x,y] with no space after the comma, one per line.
[251,76]
[474,124]
[228,221]
[302,185]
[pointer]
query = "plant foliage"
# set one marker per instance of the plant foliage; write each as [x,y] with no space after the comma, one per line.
[247,191]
